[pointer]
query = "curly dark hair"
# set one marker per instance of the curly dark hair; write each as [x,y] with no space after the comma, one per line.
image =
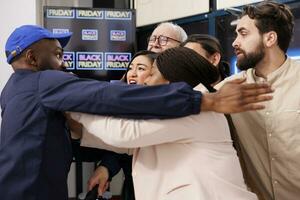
[184,64]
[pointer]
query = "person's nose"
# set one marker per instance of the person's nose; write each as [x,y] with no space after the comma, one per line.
[133,73]
[156,42]
[235,43]
[154,46]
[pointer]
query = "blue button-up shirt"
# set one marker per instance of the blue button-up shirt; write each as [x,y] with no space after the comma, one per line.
[35,150]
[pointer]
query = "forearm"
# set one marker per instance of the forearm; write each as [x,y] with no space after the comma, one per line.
[68,93]
[93,141]
[139,133]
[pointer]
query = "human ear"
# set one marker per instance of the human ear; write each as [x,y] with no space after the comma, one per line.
[30,57]
[270,38]
[215,58]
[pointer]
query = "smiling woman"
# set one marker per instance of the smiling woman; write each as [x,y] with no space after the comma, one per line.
[139,67]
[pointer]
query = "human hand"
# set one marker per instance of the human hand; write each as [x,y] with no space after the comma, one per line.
[100,176]
[237,96]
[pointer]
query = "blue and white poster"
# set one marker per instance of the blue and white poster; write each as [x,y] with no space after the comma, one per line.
[102,43]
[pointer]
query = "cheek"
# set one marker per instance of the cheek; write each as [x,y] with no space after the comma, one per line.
[172,44]
[143,76]
[149,47]
[156,79]
[150,80]
[249,44]
[128,74]
[58,64]
[53,63]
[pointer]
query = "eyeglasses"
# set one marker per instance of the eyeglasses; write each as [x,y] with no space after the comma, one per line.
[162,40]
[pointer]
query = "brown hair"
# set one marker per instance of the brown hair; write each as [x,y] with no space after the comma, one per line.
[272,16]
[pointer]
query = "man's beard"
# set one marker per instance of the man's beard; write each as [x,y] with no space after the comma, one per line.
[250,60]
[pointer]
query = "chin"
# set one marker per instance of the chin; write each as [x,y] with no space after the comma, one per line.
[155,50]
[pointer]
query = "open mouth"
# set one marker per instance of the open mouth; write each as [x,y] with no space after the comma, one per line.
[132,82]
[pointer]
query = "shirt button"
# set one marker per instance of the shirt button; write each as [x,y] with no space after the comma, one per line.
[270,134]
[272,159]
[275,182]
[267,113]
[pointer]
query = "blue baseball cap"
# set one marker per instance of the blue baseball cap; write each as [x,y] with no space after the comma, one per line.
[26,35]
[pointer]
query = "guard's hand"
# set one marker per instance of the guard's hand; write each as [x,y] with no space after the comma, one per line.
[100,176]
[237,96]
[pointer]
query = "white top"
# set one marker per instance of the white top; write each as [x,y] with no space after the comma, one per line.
[185,158]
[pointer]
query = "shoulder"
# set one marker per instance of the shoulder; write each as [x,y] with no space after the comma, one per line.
[55,75]
[230,78]
[293,70]
[52,78]
[295,62]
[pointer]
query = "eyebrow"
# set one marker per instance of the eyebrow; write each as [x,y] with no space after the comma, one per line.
[241,29]
[59,49]
[142,64]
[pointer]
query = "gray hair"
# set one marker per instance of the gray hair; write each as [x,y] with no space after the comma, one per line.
[182,36]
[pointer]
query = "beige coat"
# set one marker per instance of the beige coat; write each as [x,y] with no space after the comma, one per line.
[188,158]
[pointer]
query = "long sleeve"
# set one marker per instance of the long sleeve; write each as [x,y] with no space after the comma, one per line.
[65,92]
[94,141]
[111,161]
[139,133]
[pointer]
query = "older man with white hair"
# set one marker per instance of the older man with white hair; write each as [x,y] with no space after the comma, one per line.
[166,35]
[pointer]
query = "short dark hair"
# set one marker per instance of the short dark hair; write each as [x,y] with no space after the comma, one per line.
[211,45]
[184,64]
[272,16]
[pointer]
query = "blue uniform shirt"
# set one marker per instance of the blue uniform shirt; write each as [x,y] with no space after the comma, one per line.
[35,150]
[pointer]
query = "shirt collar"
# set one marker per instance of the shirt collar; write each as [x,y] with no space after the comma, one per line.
[273,76]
